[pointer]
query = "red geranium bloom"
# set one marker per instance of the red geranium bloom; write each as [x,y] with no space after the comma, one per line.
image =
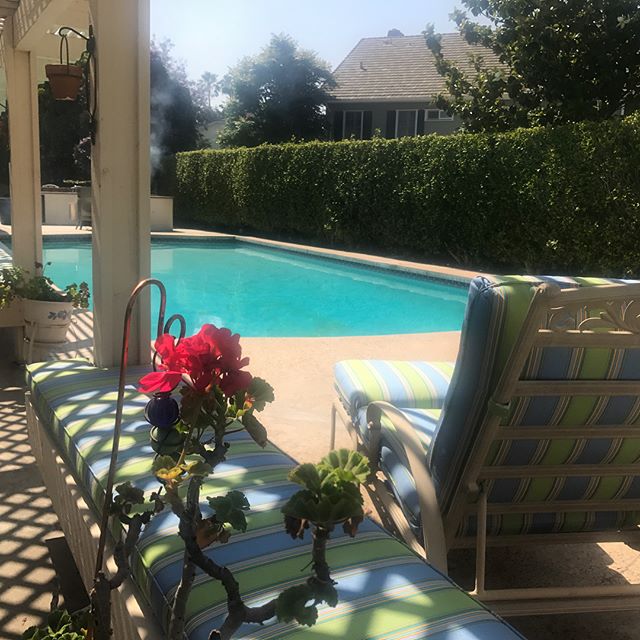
[167,380]
[211,356]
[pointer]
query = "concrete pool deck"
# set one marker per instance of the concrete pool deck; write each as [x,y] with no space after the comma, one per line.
[300,369]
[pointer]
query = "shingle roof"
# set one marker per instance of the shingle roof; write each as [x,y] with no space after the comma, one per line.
[400,67]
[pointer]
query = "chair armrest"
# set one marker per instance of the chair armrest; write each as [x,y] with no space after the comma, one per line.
[413,452]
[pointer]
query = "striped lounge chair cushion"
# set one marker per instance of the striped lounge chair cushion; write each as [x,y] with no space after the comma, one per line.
[494,315]
[385,591]
[421,385]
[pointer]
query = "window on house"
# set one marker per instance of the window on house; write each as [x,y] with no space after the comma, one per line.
[406,123]
[438,114]
[352,125]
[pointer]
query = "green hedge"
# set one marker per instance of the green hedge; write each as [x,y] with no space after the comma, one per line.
[564,199]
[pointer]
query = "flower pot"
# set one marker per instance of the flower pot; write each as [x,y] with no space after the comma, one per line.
[52,319]
[65,80]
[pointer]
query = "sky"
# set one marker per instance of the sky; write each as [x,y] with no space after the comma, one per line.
[212,35]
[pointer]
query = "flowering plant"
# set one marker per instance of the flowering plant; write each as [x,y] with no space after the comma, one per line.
[216,392]
[217,397]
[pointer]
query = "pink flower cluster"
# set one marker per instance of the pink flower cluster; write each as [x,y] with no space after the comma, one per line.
[212,357]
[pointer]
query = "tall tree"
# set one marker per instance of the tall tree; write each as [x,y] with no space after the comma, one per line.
[561,61]
[276,96]
[209,84]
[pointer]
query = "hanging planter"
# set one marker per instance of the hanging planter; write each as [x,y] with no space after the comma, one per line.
[65,80]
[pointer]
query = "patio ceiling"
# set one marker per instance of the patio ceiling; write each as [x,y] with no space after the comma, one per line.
[36,22]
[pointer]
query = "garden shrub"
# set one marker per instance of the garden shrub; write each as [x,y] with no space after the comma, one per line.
[563,199]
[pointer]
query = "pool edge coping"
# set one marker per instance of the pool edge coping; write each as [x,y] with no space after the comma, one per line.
[436,272]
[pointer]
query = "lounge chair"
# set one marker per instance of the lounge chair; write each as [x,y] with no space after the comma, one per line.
[535,438]
[385,590]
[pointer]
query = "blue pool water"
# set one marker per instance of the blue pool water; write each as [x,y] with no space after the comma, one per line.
[264,292]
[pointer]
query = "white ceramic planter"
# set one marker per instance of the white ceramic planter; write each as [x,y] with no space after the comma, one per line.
[52,318]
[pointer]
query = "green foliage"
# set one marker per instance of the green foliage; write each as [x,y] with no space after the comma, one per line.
[275,96]
[559,62]
[61,625]
[17,283]
[255,429]
[332,489]
[261,393]
[230,509]
[293,604]
[549,199]
[172,473]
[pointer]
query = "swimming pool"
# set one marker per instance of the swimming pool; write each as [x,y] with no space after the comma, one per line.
[265,292]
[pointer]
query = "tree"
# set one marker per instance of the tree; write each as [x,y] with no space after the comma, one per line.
[209,84]
[561,61]
[276,96]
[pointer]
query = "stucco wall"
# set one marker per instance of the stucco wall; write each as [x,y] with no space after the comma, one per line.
[379,115]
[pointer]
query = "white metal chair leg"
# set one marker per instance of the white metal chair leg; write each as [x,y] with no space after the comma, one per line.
[481,544]
[332,437]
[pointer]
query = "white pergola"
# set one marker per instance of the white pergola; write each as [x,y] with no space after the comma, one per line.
[120,157]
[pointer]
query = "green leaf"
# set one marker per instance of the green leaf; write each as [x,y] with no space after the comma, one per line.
[230,509]
[326,593]
[255,429]
[307,475]
[162,462]
[350,466]
[292,604]
[130,494]
[238,499]
[261,392]
[198,468]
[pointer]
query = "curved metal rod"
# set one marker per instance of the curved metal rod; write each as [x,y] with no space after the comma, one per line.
[176,317]
[72,30]
[120,404]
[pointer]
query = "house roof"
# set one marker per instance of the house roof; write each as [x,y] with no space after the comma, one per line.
[400,68]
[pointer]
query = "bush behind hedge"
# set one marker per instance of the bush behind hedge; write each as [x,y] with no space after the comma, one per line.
[564,199]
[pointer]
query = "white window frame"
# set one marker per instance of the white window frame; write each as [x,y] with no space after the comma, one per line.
[344,122]
[415,120]
[442,116]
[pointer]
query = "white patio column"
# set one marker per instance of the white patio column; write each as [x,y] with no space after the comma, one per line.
[120,176]
[24,137]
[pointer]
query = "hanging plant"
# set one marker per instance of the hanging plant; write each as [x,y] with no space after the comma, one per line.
[65,79]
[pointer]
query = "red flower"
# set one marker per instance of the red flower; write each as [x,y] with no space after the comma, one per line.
[211,356]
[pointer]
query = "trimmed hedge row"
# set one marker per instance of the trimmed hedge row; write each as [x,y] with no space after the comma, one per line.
[564,199]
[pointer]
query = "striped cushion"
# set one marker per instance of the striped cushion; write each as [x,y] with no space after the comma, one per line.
[385,591]
[495,313]
[404,384]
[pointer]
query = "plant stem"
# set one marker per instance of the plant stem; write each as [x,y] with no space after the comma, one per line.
[178,608]
[319,556]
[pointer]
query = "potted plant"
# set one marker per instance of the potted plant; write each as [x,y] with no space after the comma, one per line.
[43,304]
[65,79]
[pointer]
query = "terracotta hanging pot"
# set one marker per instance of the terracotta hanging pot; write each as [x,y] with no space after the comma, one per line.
[65,80]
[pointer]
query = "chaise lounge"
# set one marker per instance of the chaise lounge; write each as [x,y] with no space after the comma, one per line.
[531,437]
[385,590]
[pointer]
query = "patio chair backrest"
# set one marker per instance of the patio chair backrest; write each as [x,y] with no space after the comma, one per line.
[544,408]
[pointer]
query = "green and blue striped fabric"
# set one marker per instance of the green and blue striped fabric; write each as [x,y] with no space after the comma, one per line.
[415,384]
[385,590]
[495,312]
